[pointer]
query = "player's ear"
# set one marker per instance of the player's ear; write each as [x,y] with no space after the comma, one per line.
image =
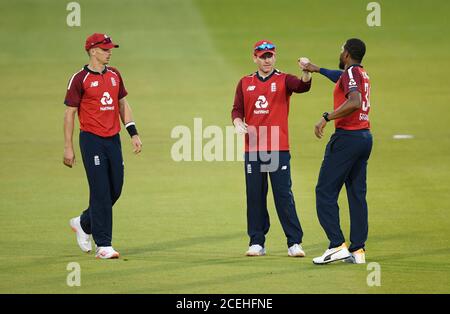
[254,58]
[346,54]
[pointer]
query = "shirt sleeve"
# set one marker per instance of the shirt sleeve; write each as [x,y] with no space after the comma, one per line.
[296,85]
[333,75]
[351,81]
[122,90]
[238,106]
[74,91]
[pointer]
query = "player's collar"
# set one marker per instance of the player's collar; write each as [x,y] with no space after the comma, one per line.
[94,72]
[264,79]
[355,65]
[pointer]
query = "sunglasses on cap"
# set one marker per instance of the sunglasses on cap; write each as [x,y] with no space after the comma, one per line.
[107,40]
[265,47]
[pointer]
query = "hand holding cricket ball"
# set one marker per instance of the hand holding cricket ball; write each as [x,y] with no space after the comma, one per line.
[303,62]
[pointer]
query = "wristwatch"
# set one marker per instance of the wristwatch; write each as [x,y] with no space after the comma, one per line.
[325,116]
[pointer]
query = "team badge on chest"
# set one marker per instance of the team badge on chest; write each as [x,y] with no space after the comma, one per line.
[113,81]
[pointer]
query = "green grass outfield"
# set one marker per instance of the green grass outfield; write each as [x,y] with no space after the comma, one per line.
[181,227]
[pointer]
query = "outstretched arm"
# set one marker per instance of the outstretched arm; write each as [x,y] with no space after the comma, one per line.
[333,75]
[302,84]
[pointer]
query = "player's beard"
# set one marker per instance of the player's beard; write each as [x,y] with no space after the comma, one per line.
[341,64]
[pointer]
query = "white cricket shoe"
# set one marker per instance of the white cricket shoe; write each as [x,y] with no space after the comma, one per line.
[106,252]
[332,255]
[256,250]
[357,257]
[296,251]
[83,239]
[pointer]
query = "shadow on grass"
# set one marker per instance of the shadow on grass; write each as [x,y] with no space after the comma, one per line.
[180,243]
[386,244]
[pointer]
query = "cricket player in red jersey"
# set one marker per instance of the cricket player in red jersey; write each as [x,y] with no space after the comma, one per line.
[97,93]
[260,110]
[346,155]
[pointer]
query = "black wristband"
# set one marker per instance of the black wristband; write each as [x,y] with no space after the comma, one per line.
[131,128]
[325,116]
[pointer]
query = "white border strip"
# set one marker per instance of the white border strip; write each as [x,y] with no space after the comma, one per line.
[71,79]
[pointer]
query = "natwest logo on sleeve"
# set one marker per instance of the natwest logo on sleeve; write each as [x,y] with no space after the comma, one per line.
[106,101]
[261,104]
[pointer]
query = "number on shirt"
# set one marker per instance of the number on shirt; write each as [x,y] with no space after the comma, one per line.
[366,101]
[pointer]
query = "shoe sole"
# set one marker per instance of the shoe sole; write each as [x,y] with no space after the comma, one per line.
[255,254]
[354,261]
[114,256]
[75,230]
[349,260]
[297,255]
[331,261]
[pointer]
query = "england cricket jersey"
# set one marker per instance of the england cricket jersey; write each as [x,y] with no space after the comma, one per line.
[97,97]
[354,78]
[263,103]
